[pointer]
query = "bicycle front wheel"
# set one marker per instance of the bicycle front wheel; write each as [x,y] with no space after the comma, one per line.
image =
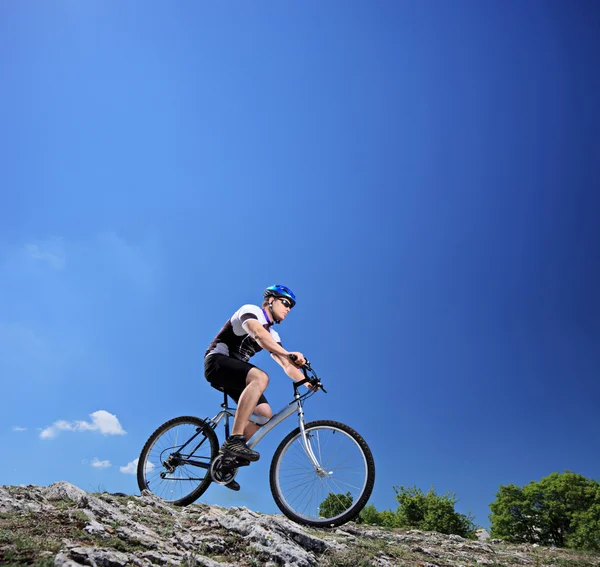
[331,493]
[175,461]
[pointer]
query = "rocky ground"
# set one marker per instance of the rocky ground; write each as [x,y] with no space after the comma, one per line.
[61,525]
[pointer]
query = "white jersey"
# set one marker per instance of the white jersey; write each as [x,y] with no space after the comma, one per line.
[234,339]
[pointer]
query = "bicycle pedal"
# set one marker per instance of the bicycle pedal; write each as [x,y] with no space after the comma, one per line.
[228,456]
[233,462]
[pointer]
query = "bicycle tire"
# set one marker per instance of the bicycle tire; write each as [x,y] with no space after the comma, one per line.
[291,464]
[169,488]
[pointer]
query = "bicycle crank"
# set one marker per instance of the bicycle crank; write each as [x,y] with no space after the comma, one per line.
[224,469]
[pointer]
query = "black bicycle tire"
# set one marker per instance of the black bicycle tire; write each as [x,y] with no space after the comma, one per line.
[356,508]
[214,444]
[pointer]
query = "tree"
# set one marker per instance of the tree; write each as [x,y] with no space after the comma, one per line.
[562,509]
[586,528]
[370,516]
[389,519]
[513,516]
[335,504]
[431,512]
[412,506]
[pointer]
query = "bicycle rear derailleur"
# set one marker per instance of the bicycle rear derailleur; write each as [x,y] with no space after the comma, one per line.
[224,469]
[170,464]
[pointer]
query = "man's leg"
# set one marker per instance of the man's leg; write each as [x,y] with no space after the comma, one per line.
[235,446]
[263,410]
[256,383]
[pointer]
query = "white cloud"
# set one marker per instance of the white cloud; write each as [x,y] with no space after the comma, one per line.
[107,423]
[17,428]
[102,421]
[97,463]
[55,258]
[131,468]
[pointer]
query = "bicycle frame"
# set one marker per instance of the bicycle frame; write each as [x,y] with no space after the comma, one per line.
[267,425]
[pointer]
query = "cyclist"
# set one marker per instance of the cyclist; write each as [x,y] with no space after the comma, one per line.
[248,331]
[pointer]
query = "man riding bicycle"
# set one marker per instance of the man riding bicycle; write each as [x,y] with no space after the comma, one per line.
[226,366]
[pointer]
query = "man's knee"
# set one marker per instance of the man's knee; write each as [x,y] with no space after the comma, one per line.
[258,377]
[264,409]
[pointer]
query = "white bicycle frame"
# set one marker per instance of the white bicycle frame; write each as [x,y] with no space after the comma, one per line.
[267,424]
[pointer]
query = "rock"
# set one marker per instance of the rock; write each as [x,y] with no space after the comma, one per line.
[417,549]
[7,503]
[65,491]
[105,530]
[277,539]
[61,560]
[95,528]
[102,557]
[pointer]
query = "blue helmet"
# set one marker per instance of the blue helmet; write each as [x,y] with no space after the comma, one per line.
[280,291]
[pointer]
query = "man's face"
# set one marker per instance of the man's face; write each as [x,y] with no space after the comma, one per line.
[281,307]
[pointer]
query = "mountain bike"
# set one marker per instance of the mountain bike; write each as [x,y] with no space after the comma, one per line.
[322,473]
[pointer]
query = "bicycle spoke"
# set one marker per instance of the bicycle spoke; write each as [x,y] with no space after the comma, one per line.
[165,470]
[324,493]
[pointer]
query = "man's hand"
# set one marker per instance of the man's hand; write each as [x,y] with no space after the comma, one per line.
[297,359]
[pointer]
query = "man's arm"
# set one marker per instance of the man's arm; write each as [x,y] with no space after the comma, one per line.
[292,371]
[266,341]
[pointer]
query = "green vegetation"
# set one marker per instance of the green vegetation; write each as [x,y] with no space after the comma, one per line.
[27,540]
[366,552]
[335,504]
[562,509]
[428,512]
[34,538]
[45,562]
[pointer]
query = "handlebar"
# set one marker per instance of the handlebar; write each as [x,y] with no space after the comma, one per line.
[312,378]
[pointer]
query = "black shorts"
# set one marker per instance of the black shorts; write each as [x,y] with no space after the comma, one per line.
[229,373]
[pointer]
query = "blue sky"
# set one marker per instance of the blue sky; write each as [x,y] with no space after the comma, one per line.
[423,175]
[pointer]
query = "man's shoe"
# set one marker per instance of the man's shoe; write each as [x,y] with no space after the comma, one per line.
[236,447]
[233,485]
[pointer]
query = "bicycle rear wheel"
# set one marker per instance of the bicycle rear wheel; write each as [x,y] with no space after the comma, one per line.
[175,461]
[331,494]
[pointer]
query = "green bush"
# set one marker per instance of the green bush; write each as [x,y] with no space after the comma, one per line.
[370,516]
[432,512]
[428,512]
[389,519]
[335,504]
[562,509]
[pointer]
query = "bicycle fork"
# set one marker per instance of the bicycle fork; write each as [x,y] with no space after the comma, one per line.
[307,447]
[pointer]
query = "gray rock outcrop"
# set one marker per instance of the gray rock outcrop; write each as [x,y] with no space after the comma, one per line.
[64,526]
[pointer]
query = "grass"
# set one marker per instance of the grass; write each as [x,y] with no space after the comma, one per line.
[45,562]
[364,552]
[128,546]
[582,560]
[65,504]
[34,539]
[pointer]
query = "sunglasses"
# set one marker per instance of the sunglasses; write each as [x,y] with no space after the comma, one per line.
[286,303]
